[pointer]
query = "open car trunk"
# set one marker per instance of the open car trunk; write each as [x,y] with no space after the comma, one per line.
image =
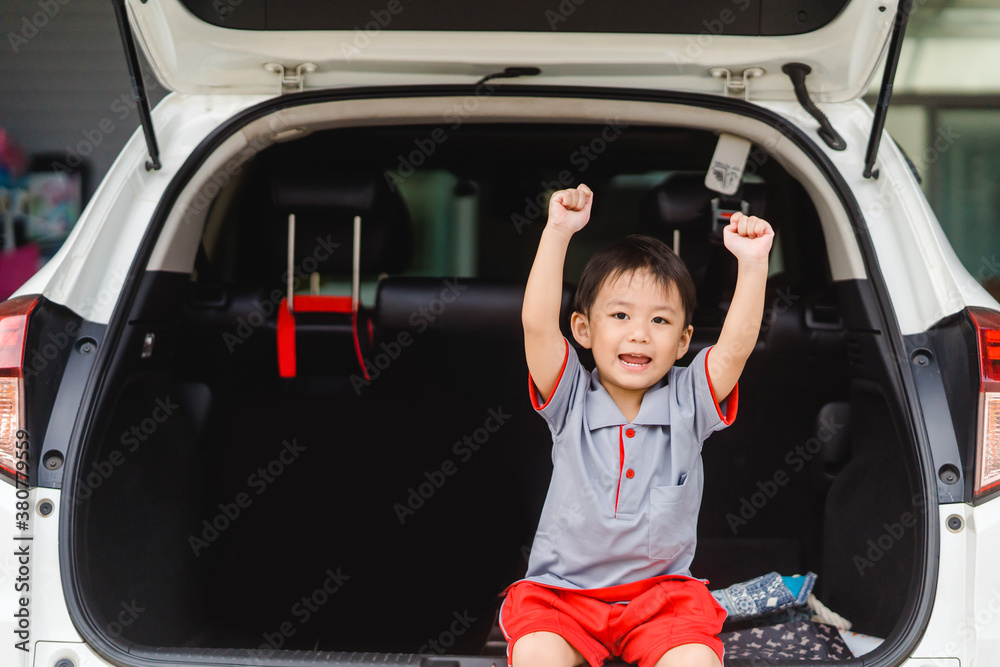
[232,508]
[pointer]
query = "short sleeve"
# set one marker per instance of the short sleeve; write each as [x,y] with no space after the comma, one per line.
[568,394]
[697,398]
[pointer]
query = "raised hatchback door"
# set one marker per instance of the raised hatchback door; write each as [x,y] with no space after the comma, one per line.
[251,46]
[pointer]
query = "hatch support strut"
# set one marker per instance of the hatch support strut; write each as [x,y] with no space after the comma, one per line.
[885,94]
[138,87]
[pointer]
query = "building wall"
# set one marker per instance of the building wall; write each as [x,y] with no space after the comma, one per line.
[64,84]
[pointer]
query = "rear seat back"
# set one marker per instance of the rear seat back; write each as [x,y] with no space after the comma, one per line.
[456,307]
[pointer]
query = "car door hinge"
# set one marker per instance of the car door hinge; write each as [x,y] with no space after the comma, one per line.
[736,84]
[289,82]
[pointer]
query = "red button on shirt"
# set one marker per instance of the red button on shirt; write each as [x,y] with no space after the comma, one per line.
[630,473]
[630,432]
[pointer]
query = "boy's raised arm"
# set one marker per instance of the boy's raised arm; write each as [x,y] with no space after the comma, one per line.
[569,211]
[749,239]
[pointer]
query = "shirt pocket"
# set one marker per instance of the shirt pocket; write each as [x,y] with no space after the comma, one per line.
[672,522]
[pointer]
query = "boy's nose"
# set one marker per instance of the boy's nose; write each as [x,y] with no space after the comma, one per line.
[640,333]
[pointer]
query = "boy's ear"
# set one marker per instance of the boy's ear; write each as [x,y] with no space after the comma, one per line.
[685,342]
[579,324]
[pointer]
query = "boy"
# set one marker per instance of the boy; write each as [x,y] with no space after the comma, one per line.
[608,570]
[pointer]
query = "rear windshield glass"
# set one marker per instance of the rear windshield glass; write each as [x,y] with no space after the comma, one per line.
[709,17]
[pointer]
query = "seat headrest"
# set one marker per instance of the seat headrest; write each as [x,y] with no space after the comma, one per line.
[352,192]
[325,203]
[462,306]
[682,202]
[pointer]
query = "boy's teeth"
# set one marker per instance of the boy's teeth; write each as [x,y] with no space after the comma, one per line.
[634,359]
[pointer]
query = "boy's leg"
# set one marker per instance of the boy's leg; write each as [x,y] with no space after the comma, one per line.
[689,655]
[545,626]
[545,649]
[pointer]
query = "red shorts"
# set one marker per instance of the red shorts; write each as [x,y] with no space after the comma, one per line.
[662,613]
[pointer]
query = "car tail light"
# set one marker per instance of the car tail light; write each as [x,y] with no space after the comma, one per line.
[987,323]
[13,328]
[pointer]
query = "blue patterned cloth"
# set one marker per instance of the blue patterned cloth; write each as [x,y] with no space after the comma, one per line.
[765,595]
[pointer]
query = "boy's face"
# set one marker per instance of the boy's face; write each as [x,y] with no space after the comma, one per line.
[635,330]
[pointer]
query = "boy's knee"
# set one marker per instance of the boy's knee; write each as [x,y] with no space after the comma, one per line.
[689,655]
[544,649]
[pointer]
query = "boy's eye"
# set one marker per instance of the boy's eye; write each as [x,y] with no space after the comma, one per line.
[660,320]
[620,316]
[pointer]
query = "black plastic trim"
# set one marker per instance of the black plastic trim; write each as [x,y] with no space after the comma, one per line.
[903,389]
[930,390]
[51,331]
[55,370]
[797,73]
[78,368]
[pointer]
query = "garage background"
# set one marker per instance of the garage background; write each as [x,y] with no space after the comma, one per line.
[65,97]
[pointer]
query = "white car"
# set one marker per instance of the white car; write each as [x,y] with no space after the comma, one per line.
[266,406]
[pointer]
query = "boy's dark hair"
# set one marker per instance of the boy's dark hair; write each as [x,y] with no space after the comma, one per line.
[633,253]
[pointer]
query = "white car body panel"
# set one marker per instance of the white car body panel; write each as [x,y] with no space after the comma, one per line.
[191,56]
[87,273]
[981,627]
[50,653]
[953,596]
[964,627]
[48,616]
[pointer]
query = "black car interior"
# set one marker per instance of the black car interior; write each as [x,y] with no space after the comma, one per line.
[397,485]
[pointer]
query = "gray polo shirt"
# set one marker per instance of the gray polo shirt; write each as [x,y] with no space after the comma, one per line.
[624,497]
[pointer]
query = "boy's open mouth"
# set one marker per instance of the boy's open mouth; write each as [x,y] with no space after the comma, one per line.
[635,360]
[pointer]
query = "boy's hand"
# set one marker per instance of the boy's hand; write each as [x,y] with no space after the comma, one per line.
[569,210]
[749,238]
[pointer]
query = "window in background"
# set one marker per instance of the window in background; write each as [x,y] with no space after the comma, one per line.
[954,144]
[945,115]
